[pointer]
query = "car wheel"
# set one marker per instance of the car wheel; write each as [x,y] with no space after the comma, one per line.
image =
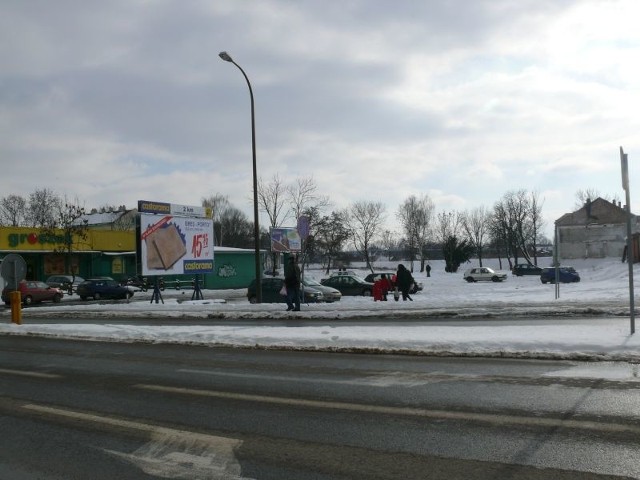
[28,300]
[495,279]
[366,293]
[96,296]
[129,295]
[83,297]
[470,279]
[252,299]
[57,298]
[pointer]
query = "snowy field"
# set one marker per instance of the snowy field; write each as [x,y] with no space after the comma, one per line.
[547,326]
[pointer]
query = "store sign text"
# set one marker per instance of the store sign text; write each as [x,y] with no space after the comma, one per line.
[17,239]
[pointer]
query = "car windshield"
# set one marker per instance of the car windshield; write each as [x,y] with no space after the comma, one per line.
[310,282]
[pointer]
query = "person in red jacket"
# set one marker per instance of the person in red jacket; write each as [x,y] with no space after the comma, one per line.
[381,288]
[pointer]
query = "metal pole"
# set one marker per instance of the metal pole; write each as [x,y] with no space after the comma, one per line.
[256,227]
[630,259]
[630,253]
[556,262]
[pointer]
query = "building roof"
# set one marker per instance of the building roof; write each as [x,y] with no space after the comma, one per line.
[598,211]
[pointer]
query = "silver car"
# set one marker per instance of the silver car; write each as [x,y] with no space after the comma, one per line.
[330,294]
[479,274]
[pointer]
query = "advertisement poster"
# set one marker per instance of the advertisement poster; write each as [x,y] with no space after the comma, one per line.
[171,245]
[285,240]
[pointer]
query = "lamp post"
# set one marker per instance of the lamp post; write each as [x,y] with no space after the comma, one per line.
[256,228]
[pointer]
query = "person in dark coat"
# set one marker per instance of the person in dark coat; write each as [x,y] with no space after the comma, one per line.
[404,280]
[292,282]
[428,270]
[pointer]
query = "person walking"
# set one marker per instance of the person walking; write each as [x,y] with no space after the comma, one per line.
[404,281]
[292,282]
[428,270]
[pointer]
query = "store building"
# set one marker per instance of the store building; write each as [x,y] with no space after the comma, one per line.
[112,253]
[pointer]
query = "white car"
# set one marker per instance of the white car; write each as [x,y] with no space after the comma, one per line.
[478,274]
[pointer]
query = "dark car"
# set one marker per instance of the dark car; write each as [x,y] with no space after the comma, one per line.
[32,291]
[68,283]
[349,285]
[330,294]
[374,277]
[98,288]
[565,275]
[525,269]
[271,292]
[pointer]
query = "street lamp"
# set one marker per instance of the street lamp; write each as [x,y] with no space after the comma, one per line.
[256,228]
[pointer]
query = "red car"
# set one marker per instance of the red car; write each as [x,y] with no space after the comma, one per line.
[33,291]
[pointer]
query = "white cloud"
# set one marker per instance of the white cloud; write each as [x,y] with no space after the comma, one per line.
[366,96]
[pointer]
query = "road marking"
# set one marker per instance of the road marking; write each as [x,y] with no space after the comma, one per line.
[171,453]
[27,373]
[494,418]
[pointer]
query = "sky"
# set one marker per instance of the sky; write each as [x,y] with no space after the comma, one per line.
[115,102]
[521,318]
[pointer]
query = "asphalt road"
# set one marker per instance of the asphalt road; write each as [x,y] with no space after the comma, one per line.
[74,409]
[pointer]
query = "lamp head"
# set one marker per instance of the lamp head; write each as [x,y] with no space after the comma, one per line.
[225,56]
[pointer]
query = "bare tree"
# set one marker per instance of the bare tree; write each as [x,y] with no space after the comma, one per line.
[13,211]
[537,223]
[448,224]
[42,205]
[271,198]
[331,235]
[388,241]
[305,201]
[416,216]
[408,215]
[476,224]
[303,196]
[218,204]
[69,222]
[513,223]
[364,220]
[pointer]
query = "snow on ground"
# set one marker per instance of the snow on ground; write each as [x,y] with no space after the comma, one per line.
[546,326]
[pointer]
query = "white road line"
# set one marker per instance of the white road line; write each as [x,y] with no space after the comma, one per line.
[493,418]
[171,453]
[27,373]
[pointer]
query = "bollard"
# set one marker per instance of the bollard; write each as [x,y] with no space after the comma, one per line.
[16,307]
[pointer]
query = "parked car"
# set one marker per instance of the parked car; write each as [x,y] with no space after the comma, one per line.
[565,275]
[68,283]
[98,288]
[342,272]
[33,291]
[330,294]
[374,277]
[271,292]
[483,274]
[349,285]
[525,269]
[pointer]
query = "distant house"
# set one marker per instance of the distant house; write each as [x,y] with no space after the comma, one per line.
[121,219]
[597,230]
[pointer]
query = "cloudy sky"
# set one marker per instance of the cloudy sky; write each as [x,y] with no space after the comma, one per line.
[463,100]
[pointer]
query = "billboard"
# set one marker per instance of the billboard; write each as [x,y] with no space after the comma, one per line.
[175,245]
[285,240]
